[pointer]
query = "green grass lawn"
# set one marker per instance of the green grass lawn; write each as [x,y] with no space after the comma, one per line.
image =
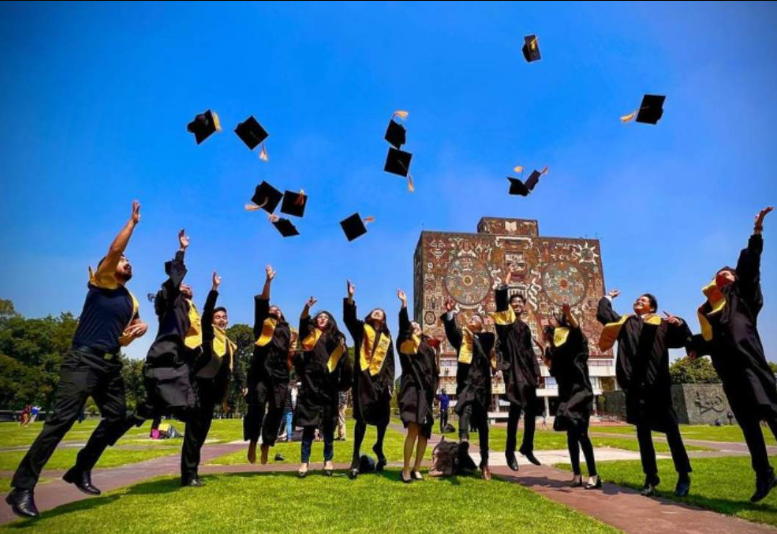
[66,458]
[728,433]
[720,484]
[283,503]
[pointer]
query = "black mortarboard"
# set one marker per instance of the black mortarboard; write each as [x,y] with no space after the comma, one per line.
[204,125]
[531,48]
[396,134]
[652,109]
[251,132]
[286,227]
[366,464]
[398,162]
[266,197]
[294,203]
[353,227]
[517,187]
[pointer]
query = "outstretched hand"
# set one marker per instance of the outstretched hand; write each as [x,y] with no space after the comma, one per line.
[401,295]
[759,219]
[135,217]
[351,288]
[183,239]
[311,302]
[216,280]
[671,319]
[449,304]
[614,293]
[270,273]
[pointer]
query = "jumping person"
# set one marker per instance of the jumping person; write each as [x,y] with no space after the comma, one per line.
[373,377]
[91,368]
[420,377]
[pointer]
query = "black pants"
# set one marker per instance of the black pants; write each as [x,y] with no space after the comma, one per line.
[81,376]
[577,438]
[529,423]
[197,428]
[443,420]
[358,438]
[261,398]
[754,437]
[648,453]
[476,416]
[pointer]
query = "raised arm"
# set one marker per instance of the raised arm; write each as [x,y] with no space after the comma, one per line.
[678,335]
[176,271]
[105,274]
[452,330]
[404,320]
[305,322]
[353,324]
[604,313]
[566,309]
[749,264]
[262,302]
[210,305]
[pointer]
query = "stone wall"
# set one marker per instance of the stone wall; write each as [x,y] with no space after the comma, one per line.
[695,404]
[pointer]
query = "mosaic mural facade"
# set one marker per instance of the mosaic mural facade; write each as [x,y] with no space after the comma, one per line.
[549,271]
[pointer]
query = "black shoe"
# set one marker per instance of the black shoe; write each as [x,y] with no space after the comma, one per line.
[302,474]
[353,472]
[405,480]
[577,482]
[649,488]
[416,475]
[598,484]
[512,463]
[763,486]
[192,483]
[22,503]
[530,456]
[82,480]
[683,487]
[381,463]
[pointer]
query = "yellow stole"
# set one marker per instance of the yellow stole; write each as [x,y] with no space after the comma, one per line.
[193,337]
[467,344]
[223,345]
[410,346]
[368,359]
[268,330]
[611,331]
[560,336]
[717,301]
[109,282]
[334,358]
[504,318]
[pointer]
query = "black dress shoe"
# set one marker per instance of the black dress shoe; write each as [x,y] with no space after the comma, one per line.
[512,463]
[192,483]
[405,480]
[416,475]
[530,456]
[381,463]
[598,484]
[353,472]
[649,488]
[763,486]
[22,503]
[82,480]
[577,482]
[328,472]
[683,487]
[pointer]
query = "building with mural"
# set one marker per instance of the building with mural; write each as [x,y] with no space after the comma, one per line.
[549,271]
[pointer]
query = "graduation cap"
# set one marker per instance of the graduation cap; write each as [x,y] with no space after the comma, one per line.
[204,125]
[398,162]
[366,464]
[265,197]
[650,111]
[354,226]
[294,203]
[517,187]
[531,49]
[284,226]
[396,134]
[252,134]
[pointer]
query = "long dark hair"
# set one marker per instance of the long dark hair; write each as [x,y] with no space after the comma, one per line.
[332,331]
[384,328]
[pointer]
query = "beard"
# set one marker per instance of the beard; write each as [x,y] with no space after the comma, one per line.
[124,277]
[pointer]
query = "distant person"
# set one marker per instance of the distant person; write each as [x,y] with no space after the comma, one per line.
[81,416]
[24,416]
[342,408]
[729,325]
[444,401]
[287,425]
[34,411]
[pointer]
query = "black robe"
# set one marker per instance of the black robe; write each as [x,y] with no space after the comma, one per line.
[473,380]
[167,369]
[569,366]
[515,356]
[270,363]
[319,393]
[642,366]
[230,364]
[371,394]
[420,377]
[735,347]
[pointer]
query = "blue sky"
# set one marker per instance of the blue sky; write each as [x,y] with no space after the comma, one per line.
[96,98]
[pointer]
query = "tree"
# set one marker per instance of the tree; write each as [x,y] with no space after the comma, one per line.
[243,336]
[699,371]
[773,367]
[132,373]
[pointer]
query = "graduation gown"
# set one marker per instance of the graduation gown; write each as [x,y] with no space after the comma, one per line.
[420,375]
[515,354]
[730,337]
[473,372]
[568,356]
[373,369]
[217,361]
[270,363]
[167,370]
[642,366]
[323,370]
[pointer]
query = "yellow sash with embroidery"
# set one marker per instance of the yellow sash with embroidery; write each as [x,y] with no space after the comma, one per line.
[193,337]
[504,318]
[334,358]
[467,344]
[717,301]
[223,345]
[611,331]
[560,336]
[410,346]
[268,330]
[107,281]
[369,359]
